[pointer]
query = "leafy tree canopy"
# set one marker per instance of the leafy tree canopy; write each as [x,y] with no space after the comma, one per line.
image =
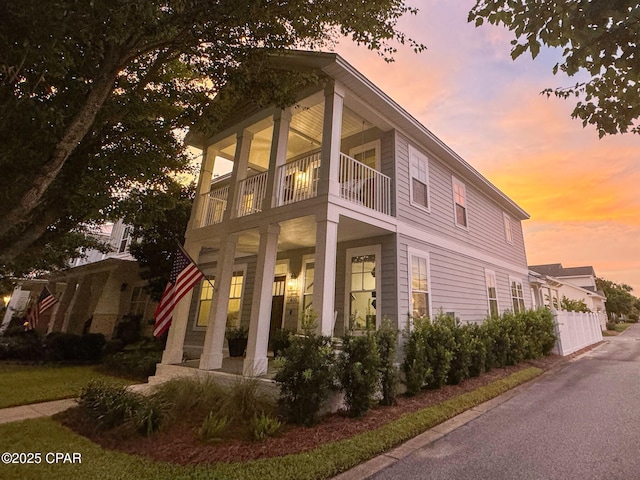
[600,38]
[620,301]
[93,93]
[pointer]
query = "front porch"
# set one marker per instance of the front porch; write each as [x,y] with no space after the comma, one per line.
[271,277]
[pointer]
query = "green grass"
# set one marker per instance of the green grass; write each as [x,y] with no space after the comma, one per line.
[25,384]
[45,435]
[621,327]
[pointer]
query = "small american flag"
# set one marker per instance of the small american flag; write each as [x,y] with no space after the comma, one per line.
[184,275]
[45,301]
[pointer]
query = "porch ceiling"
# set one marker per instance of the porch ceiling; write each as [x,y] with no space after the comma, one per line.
[301,233]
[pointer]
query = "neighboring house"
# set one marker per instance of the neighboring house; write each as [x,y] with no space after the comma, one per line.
[99,293]
[551,282]
[345,206]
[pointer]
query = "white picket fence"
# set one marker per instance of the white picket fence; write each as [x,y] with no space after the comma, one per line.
[576,330]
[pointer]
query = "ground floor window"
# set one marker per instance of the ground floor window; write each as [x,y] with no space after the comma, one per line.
[235,300]
[307,287]
[517,296]
[419,282]
[492,293]
[363,286]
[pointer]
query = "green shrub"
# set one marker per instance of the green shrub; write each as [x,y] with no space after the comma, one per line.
[611,326]
[462,353]
[244,400]
[68,347]
[306,377]
[415,367]
[539,332]
[387,339]
[212,428]
[22,346]
[109,406]
[198,396]
[264,426]
[280,341]
[137,361]
[478,350]
[357,370]
[439,347]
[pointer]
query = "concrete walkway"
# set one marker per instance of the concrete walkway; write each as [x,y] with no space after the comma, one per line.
[36,410]
[48,409]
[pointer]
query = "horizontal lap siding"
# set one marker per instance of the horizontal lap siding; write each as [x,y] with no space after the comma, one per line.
[485,231]
[457,282]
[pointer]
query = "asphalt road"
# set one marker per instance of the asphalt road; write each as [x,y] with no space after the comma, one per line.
[581,422]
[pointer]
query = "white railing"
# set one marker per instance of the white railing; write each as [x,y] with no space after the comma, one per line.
[251,193]
[575,331]
[298,180]
[215,203]
[364,185]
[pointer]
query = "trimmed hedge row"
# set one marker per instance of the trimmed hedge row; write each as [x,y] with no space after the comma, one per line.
[445,351]
[55,347]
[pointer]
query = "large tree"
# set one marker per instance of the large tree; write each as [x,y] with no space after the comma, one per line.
[620,300]
[92,93]
[600,42]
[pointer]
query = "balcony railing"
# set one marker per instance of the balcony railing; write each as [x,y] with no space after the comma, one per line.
[251,193]
[298,180]
[364,185]
[214,205]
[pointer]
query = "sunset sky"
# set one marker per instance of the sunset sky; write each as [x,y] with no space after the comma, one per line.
[583,193]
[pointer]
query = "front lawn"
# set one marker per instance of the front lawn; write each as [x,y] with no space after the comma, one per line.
[46,435]
[25,384]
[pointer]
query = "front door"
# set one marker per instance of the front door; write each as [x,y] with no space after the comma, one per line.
[277,304]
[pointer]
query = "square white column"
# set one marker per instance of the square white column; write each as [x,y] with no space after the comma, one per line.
[325,273]
[255,364]
[211,358]
[331,139]
[174,349]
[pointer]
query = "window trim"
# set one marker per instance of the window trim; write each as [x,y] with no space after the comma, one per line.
[487,275]
[212,278]
[411,252]
[517,281]
[423,158]
[366,250]
[508,229]
[465,205]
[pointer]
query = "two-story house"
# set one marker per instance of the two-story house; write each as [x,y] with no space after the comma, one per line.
[346,206]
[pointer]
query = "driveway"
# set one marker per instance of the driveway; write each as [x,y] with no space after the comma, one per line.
[582,422]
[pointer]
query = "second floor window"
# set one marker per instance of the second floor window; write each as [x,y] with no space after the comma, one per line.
[419,172]
[507,229]
[126,238]
[460,203]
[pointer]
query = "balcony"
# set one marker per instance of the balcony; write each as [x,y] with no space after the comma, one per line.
[297,181]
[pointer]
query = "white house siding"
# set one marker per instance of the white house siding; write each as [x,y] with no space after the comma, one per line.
[486,229]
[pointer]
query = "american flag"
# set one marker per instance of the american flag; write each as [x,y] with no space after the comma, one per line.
[45,300]
[184,275]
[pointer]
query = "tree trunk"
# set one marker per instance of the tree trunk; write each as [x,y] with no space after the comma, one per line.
[79,127]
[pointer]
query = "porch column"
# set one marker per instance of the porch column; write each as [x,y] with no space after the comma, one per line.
[255,363]
[174,349]
[204,186]
[277,157]
[325,272]
[331,136]
[211,358]
[239,173]
[81,285]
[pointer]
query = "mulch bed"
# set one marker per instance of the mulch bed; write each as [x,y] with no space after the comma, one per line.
[180,445]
